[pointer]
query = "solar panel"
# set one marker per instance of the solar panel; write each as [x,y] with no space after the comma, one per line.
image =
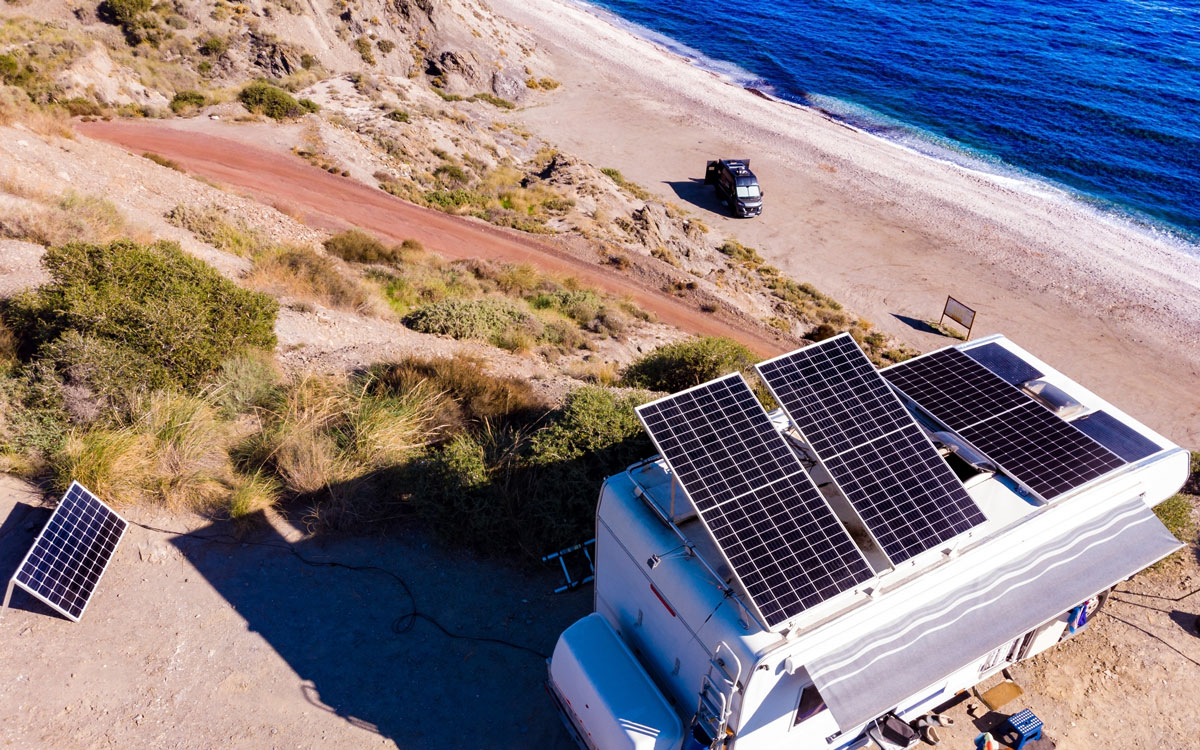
[781,539]
[1117,436]
[71,553]
[1011,368]
[904,491]
[1025,439]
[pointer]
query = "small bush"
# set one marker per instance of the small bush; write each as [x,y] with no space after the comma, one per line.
[271,101]
[187,101]
[218,229]
[162,161]
[452,173]
[359,247]
[363,46]
[678,366]
[306,274]
[81,107]
[476,395]
[385,45]
[102,321]
[245,382]
[485,319]
[495,101]
[398,115]
[212,46]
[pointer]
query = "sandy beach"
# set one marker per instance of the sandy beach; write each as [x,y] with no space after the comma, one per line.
[887,231]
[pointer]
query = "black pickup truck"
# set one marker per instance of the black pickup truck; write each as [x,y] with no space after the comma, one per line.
[735,185]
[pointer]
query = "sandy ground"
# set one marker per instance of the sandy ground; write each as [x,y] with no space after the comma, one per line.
[201,644]
[887,232]
[237,157]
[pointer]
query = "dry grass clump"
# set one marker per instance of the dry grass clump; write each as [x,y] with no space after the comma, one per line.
[115,464]
[216,227]
[357,246]
[71,217]
[324,440]
[305,274]
[16,107]
[472,395]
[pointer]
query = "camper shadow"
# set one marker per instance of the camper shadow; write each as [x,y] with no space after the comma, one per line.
[694,191]
[337,629]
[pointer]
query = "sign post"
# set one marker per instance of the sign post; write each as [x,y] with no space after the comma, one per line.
[959,313]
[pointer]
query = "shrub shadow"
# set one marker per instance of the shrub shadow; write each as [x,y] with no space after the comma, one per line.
[339,630]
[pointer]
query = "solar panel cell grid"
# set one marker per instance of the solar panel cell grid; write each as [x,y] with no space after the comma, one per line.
[782,541]
[903,490]
[70,555]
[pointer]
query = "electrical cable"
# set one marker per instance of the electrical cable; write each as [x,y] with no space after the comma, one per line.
[401,625]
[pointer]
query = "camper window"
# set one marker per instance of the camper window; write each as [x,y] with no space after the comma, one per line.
[811,704]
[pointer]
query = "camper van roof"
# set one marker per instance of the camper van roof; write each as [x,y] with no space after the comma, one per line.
[1032,556]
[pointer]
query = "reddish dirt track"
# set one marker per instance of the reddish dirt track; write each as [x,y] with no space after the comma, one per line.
[331,202]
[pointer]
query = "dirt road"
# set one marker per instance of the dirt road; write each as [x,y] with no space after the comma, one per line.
[332,202]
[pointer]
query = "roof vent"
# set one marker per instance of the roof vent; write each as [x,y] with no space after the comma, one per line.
[1053,398]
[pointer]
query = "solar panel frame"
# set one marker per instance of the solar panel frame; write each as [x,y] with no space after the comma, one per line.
[775,530]
[1044,453]
[862,432]
[56,574]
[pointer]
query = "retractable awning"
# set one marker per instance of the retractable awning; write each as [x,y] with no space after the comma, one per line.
[923,639]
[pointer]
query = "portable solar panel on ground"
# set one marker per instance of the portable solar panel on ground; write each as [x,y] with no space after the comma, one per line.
[1027,441]
[904,491]
[70,555]
[780,537]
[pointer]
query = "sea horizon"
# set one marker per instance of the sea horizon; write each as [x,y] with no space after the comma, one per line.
[1154,211]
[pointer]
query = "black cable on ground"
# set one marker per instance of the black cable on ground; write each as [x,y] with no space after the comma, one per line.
[402,624]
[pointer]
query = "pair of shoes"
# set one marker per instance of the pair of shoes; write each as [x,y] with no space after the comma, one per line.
[926,726]
[941,720]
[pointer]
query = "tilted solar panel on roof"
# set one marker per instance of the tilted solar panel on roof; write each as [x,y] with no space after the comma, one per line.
[72,552]
[882,461]
[1045,453]
[781,539]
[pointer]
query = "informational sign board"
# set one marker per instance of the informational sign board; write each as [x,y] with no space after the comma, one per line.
[959,313]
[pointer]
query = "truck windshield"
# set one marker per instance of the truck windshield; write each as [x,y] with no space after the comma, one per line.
[747,191]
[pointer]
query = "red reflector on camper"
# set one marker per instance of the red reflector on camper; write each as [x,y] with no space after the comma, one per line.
[661,599]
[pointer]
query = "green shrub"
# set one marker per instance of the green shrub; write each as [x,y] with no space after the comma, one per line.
[363,46]
[398,115]
[504,490]
[212,45]
[359,247]
[308,62]
[9,68]
[271,101]
[126,11]
[102,320]
[187,100]
[495,101]
[485,319]
[681,365]
[385,45]
[452,173]
[244,382]
[308,105]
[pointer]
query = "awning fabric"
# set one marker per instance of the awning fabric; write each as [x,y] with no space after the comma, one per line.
[915,648]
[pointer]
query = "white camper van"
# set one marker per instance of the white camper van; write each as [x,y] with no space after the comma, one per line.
[883,540]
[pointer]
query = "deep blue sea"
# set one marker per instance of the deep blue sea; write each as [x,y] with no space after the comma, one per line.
[1100,97]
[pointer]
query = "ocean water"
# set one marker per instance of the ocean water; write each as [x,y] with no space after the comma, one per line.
[1098,97]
